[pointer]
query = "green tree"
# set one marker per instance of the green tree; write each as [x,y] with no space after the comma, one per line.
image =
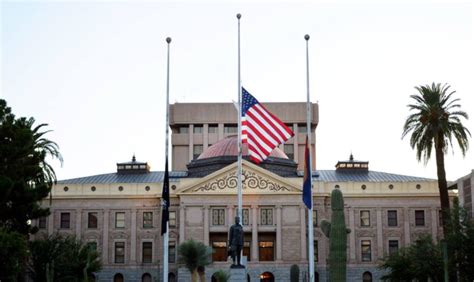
[193,254]
[25,175]
[63,259]
[421,261]
[461,241]
[434,122]
[13,253]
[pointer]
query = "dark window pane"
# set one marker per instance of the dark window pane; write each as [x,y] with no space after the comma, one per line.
[119,252]
[366,250]
[392,218]
[392,246]
[147,252]
[92,220]
[420,218]
[42,223]
[172,252]
[65,220]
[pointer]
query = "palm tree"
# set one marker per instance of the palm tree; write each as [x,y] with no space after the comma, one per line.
[193,254]
[435,120]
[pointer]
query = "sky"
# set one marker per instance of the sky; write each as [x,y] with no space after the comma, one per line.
[95,72]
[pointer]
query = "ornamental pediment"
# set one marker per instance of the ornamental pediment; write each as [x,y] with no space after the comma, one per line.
[255,180]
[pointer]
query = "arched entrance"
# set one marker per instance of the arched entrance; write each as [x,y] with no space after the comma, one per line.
[267,277]
[146,277]
[367,277]
[316,276]
[118,277]
[171,277]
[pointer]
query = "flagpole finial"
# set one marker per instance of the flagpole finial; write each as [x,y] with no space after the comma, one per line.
[239,16]
[306,37]
[168,40]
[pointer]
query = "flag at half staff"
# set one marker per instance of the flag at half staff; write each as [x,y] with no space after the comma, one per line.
[165,198]
[307,197]
[261,129]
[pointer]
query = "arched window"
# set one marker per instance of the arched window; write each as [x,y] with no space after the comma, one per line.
[118,277]
[367,277]
[171,277]
[146,277]
[267,277]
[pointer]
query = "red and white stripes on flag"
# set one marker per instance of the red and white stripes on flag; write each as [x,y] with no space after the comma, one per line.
[261,129]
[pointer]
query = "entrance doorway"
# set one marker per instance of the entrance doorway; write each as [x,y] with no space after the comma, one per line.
[267,277]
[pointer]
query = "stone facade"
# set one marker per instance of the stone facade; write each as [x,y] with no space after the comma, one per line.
[383,211]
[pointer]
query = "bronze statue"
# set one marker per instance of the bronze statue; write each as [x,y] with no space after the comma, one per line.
[236,242]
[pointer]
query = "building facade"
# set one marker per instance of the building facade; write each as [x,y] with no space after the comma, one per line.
[464,187]
[196,126]
[120,214]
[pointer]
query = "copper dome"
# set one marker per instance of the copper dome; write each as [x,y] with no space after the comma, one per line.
[228,147]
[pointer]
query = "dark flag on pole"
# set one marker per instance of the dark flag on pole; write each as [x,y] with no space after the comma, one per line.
[307,197]
[165,198]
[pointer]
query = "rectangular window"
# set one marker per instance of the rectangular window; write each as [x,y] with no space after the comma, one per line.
[302,128]
[119,220]
[197,150]
[315,218]
[289,151]
[212,128]
[172,252]
[92,220]
[266,216]
[245,217]
[266,251]
[147,252]
[42,222]
[172,219]
[197,128]
[148,220]
[419,218]
[183,129]
[392,218]
[315,250]
[119,252]
[229,128]
[65,220]
[218,216]
[290,126]
[365,218]
[366,250]
[392,246]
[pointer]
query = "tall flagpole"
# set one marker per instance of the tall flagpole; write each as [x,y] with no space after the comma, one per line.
[308,133]
[166,235]
[239,136]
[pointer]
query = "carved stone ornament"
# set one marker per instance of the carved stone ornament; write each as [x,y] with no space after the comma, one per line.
[250,180]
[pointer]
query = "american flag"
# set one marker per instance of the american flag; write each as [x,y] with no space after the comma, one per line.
[261,129]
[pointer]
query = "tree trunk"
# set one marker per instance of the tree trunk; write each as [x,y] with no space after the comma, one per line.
[442,184]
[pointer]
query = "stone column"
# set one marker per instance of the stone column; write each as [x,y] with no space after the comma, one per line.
[205,136]
[191,142]
[206,225]
[220,131]
[278,233]
[254,249]
[434,224]
[230,215]
[352,239]
[78,223]
[133,237]
[379,234]
[105,238]
[182,223]
[51,222]
[303,232]
[406,229]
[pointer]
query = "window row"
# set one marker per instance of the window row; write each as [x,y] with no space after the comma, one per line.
[366,249]
[228,128]
[147,252]
[218,216]
[392,218]
[266,246]
[119,220]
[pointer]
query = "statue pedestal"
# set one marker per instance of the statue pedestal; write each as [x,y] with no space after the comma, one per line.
[238,275]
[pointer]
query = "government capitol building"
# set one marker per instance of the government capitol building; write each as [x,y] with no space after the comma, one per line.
[120,212]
